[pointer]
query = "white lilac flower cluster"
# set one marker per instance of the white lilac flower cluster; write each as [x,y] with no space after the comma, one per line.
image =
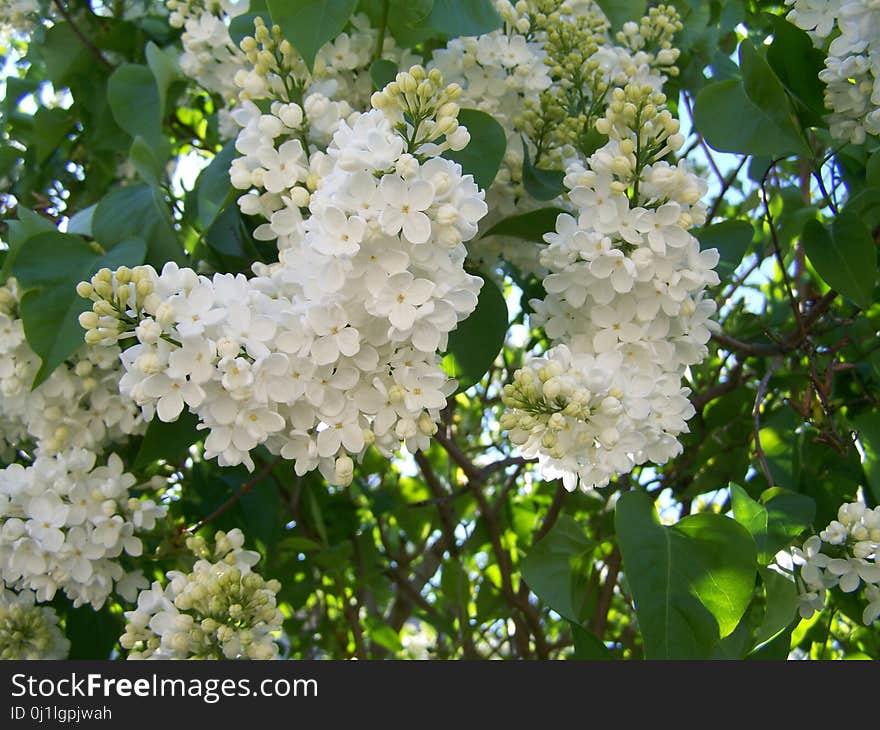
[499,72]
[625,308]
[341,69]
[550,57]
[28,631]
[852,66]
[78,405]
[221,609]
[18,16]
[210,56]
[846,554]
[65,522]
[335,347]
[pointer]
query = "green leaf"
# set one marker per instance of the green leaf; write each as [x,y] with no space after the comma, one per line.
[797,63]
[167,441]
[29,224]
[16,90]
[383,72]
[732,239]
[135,102]
[80,222]
[528,226]
[766,91]
[483,156]
[844,256]
[731,122]
[163,64]
[557,568]
[213,186]
[541,184]
[309,24]
[9,158]
[782,516]
[868,426]
[789,513]
[65,54]
[464,17]
[775,650]
[620,11]
[138,210]
[406,16]
[780,608]
[476,342]
[872,170]
[92,633]
[691,583]
[51,126]
[827,476]
[49,266]
[145,161]
[587,645]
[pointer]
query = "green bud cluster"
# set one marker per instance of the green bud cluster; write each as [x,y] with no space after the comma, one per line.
[422,109]
[654,34]
[28,631]
[638,119]
[542,401]
[118,297]
[566,112]
[275,60]
[220,610]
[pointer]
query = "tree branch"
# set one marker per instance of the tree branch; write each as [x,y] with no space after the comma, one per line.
[93,49]
[245,488]
[756,417]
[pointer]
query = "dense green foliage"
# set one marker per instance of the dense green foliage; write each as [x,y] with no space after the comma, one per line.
[463,551]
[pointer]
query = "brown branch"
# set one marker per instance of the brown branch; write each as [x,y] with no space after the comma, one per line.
[471,470]
[728,181]
[92,48]
[733,381]
[756,416]
[245,488]
[603,605]
[552,513]
[505,490]
[441,498]
[795,308]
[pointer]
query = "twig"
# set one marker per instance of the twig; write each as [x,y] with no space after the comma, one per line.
[245,488]
[756,349]
[93,49]
[788,344]
[552,513]
[777,250]
[733,381]
[508,486]
[756,416]
[728,181]
[383,24]
[603,605]
[441,499]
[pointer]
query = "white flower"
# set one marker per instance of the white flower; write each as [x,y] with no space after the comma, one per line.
[339,235]
[222,609]
[77,518]
[334,336]
[28,631]
[852,571]
[400,297]
[405,203]
[170,395]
